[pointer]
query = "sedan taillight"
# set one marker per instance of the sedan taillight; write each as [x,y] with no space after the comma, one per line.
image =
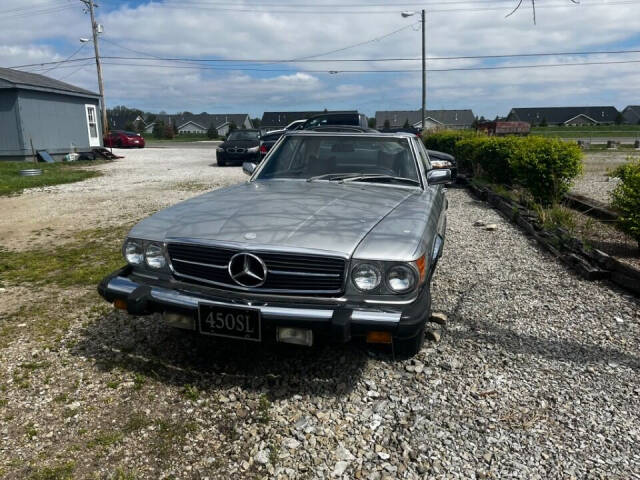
[263,149]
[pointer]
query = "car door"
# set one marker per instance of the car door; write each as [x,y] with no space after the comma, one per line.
[439,203]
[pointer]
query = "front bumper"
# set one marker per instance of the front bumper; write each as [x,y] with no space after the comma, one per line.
[340,321]
[239,157]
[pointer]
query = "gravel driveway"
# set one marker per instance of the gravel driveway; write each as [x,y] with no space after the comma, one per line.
[138,185]
[536,376]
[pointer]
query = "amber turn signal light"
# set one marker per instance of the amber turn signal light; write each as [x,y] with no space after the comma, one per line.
[421,263]
[120,304]
[379,337]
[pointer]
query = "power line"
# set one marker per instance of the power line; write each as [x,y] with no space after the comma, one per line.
[331,60]
[459,69]
[387,11]
[66,59]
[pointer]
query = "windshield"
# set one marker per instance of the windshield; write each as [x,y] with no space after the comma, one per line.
[243,135]
[337,157]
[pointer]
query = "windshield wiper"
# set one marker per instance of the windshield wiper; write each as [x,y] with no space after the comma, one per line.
[333,176]
[382,178]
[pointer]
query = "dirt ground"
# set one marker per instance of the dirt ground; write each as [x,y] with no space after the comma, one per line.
[132,187]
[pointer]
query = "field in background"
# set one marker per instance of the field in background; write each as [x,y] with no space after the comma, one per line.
[632,131]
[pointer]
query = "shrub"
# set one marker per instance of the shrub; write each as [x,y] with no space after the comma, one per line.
[545,166]
[446,140]
[626,198]
[493,156]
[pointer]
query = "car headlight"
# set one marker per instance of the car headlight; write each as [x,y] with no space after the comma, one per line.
[441,164]
[154,256]
[253,149]
[366,277]
[219,149]
[401,278]
[133,252]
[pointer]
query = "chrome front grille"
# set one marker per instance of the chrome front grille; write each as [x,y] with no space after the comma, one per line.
[290,273]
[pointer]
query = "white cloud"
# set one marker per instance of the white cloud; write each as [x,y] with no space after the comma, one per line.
[188,29]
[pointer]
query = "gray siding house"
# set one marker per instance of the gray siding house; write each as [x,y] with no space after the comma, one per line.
[452,119]
[53,115]
[631,115]
[569,116]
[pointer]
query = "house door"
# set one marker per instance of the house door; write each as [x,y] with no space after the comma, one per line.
[92,126]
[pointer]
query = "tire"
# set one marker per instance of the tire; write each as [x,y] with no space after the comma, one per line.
[221,163]
[405,348]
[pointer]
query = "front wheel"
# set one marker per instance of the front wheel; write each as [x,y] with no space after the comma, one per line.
[404,348]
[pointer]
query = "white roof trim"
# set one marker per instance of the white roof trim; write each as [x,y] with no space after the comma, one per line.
[192,122]
[580,115]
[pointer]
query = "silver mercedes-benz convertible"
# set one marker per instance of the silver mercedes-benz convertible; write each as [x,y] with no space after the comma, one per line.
[334,236]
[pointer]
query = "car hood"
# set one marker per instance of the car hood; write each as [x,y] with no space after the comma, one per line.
[323,216]
[240,143]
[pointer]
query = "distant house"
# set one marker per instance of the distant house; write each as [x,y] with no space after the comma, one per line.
[52,115]
[189,123]
[569,116]
[631,115]
[453,119]
[191,127]
[279,120]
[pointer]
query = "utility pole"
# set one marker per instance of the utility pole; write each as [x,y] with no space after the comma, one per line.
[94,30]
[424,71]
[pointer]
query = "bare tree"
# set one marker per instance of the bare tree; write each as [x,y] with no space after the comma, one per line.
[533,7]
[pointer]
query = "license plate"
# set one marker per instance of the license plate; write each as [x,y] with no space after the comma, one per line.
[242,323]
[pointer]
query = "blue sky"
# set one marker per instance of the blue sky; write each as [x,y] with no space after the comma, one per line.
[35,31]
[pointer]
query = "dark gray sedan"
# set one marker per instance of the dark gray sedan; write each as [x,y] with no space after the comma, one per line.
[335,235]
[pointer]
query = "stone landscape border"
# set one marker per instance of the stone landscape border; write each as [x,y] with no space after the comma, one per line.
[591,264]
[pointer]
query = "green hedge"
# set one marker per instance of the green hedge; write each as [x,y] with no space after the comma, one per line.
[626,198]
[546,167]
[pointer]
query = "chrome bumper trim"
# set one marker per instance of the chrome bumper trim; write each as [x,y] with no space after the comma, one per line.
[384,317]
[123,285]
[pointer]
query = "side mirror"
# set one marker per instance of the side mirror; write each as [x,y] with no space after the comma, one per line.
[439,176]
[249,167]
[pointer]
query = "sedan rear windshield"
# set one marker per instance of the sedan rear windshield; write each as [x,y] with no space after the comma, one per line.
[306,157]
[240,135]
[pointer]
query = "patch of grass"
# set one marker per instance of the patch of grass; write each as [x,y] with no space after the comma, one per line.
[264,405]
[85,261]
[30,431]
[34,365]
[557,216]
[62,471]
[46,320]
[136,422]
[273,454]
[113,384]
[21,380]
[191,392]
[191,186]
[122,474]
[61,398]
[52,174]
[3,402]
[138,381]
[105,440]
[171,434]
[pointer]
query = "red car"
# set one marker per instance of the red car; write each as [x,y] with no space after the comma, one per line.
[120,138]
